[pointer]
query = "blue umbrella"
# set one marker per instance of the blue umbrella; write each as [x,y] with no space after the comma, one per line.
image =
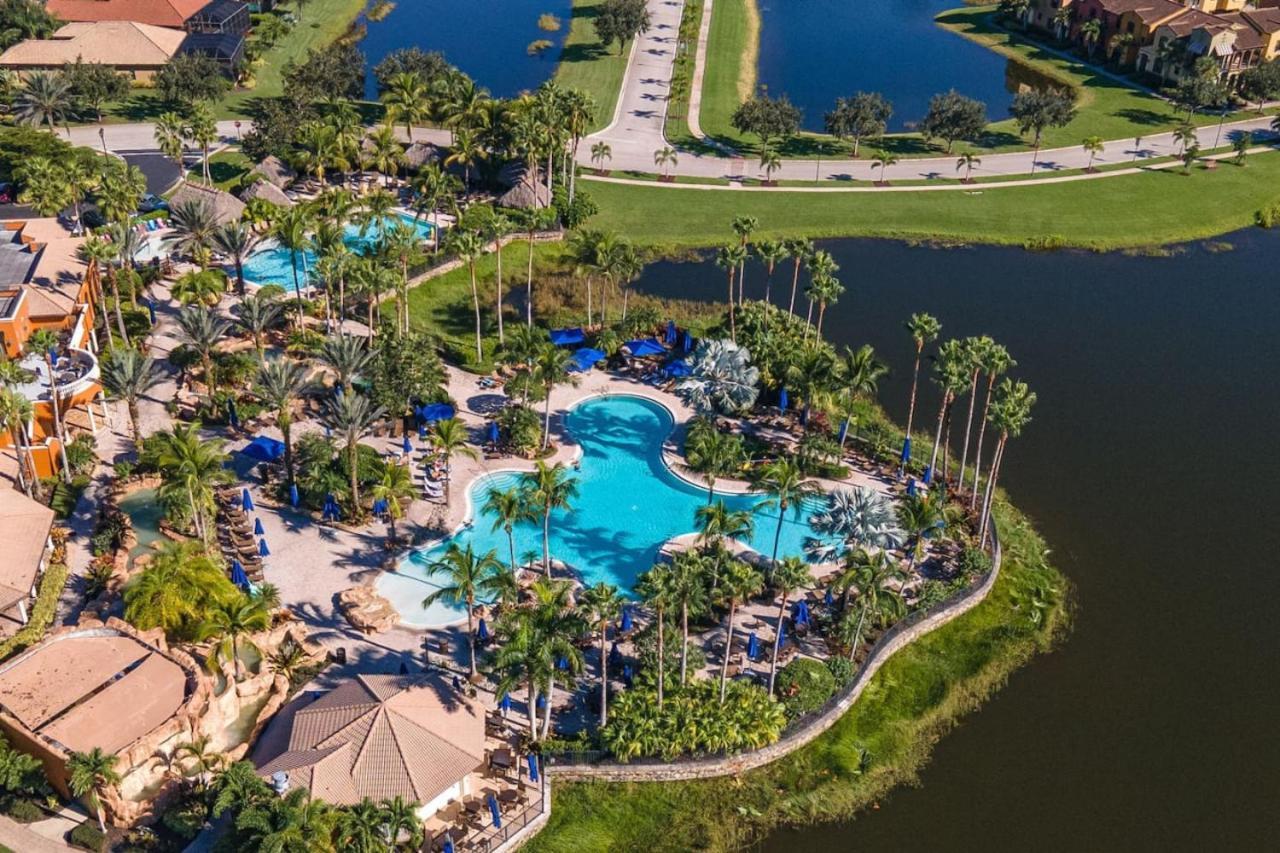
[482,632]
[677,368]
[671,332]
[379,506]
[844,430]
[615,655]
[782,633]
[263,550]
[233,417]
[783,400]
[928,474]
[422,431]
[800,613]
[753,646]
[246,500]
[448,844]
[911,486]
[533,767]
[151,311]
[493,811]
[641,348]
[688,342]
[435,412]
[906,450]
[829,599]
[294,497]
[562,663]
[567,337]
[505,704]
[238,577]
[457,683]
[257,528]
[405,445]
[626,674]
[493,432]
[264,448]
[626,619]
[542,702]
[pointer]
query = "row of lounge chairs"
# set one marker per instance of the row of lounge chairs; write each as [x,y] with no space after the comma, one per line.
[235,535]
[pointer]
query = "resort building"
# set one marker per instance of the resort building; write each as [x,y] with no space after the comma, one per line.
[139,50]
[193,16]
[44,284]
[379,736]
[25,527]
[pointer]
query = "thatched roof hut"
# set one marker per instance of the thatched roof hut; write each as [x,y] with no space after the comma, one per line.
[276,172]
[267,191]
[419,154]
[526,195]
[223,205]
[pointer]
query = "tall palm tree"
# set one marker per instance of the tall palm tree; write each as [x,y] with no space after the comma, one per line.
[770,252]
[237,241]
[465,152]
[656,588]
[385,154]
[967,161]
[714,454]
[869,575]
[449,438]
[923,328]
[586,247]
[738,582]
[996,361]
[545,489]
[99,254]
[730,259]
[495,228]
[919,516]
[360,828]
[202,129]
[520,659]
[175,590]
[432,186]
[601,151]
[550,368]
[190,465]
[395,487]
[200,759]
[16,411]
[291,230]
[744,227]
[665,158]
[90,774]
[129,374]
[790,575]
[601,603]
[407,99]
[45,98]
[689,588]
[884,160]
[821,265]
[194,225]
[975,349]
[508,509]
[257,315]
[401,822]
[294,823]
[229,625]
[715,522]
[464,573]
[859,378]
[45,342]
[558,626]
[280,384]
[800,251]
[203,329]
[171,139]
[1010,413]
[951,372]
[351,416]
[785,485]
[347,357]
[770,162]
[825,290]
[469,246]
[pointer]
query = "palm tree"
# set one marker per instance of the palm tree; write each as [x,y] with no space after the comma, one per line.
[557,627]
[715,522]
[129,374]
[202,761]
[918,516]
[689,571]
[995,361]
[395,487]
[738,582]
[495,228]
[200,287]
[884,160]
[975,350]
[16,411]
[1093,145]
[464,152]
[189,466]
[90,774]
[432,185]
[240,788]
[786,487]
[586,248]
[550,368]
[280,384]
[203,329]
[545,489]
[45,98]
[176,589]
[1010,413]
[521,658]
[258,314]
[656,588]
[290,231]
[601,604]
[729,259]
[401,822]
[744,227]
[237,241]
[464,574]
[1090,34]
[469,246]
[407,99]
[351,416]
[449,438]
[600,152]
[385,154]
[347,357]
[99,254]
[923,328]
[508,509]
[202,129]
[869,575]
[825,290]
[859,517]
[770,161]
[951,372]
[294,823]
[171,139]
[360,828]
[194,225]
[229,624]
[967,161]
[714,454]
[45,342]
[790,575]
[664,158]
[821,265]
[800,251]
[859,376]
[770,252]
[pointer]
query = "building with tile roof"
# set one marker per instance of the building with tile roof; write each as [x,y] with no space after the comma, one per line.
[25,526]
[132,48]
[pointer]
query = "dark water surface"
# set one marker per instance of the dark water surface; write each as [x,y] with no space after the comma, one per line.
[817,50]
[488,39]
[1147,468]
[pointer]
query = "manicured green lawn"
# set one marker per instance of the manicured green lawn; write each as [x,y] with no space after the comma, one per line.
[1139,210]
[588,65]
[226,167]
[880,743]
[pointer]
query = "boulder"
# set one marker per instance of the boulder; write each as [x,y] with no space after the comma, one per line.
[366,610]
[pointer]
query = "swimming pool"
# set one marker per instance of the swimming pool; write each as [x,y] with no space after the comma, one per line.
[273,264]
[628,505]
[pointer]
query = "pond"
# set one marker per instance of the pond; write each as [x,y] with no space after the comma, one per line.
[488,39]
[1145,470]
[144,510]
[815,51]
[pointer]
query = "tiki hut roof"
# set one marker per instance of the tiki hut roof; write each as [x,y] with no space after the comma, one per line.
[420,154]
[224,206]
[526,195]
[276,171]
[267,191]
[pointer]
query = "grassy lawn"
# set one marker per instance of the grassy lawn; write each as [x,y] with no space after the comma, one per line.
[880,743]
[588,65]
[1106,107]
[227,168]
[1139,210]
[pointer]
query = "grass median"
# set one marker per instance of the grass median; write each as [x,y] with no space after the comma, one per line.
[589,66]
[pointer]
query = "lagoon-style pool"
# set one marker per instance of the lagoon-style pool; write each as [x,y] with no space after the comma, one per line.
[273,264]
[629,503]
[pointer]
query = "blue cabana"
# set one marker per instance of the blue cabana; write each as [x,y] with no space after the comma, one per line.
[482,631]
[677,368]
[505,704]
[494,434]
[800,612]
[263,550]
[493,811]
[671,332]
[238,577]
[906,450]
[246,500]
[433,412]
[753,646]
[644,347]
[264,448]
[567,337]
[257,528]
[533,767]
[626,619]
[294,497]
[405,445]
[783,400]
[583,358]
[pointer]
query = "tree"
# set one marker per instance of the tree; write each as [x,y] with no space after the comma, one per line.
[347,357]
[862,116]
[715,523]
[1090,35]
[545,489]
[721,380]
[951,373]
[465,574]
[737,583]
[92,84]
[194,225]
[202,129]
[689,571]
[259,314]
[825,290]
[508,509]
[16,411]
[290,231]
[550,368]
[238,787]
[90,774]
[869,575]
[191,77]
[469,246]
[923,328]
[449,438]
[351,415]
[200,288]
[785,487]
[1010,413]
[129,374]
[237,241]
[790,575]
[407,99]
[770,253]
[100,253]
[280,384]
[975,352]
[664,158]
[1189,156]
[952,117]
[770,161]
[1093,146]
[1241,145]
[228,624]
[801,251]
[857,518]
[189,467]
[335,72]
[395,487]
[858,378]
[1202,88]
[404,368]
[995,361]
[292,823]
[601,151]
[203,329]
[656,588]
[1036,110]
[713,454]
[620,21]
[967,161]
[1260,83]
[45,342]
[771,119]
[171,139]
[176,590]
[44,98]
[730,259]
[1185,135]
[25,19]
[601,604]
[360,828]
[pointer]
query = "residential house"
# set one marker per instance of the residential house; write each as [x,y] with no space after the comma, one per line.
[1264,22]
[139,50]
[1176,45]
[190,15]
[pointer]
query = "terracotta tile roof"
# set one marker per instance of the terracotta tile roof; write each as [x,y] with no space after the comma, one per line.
[160,13]
[24,530]
[383,736]
[118,43]
[1147,11]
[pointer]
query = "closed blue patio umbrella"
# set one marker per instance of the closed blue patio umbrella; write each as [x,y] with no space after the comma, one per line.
[505,704]
[263,550]
[626,620]
[405,445]
[753,646]
[379,506]
[493,811]
[494,435]
[233,417]
[151,312]
[257,528]
[294,497]
[782,633]
[238,577]
[906,450]
[800,613]
[671,332]
[928,474]
[246,500]
[626,675]
[422,431]
[783,400]
[482,631]
[615,655]
[844,429]
[448,845]
[830,598]
[688,342]
[911,486]
[562,662]
[541,703]
[533,767]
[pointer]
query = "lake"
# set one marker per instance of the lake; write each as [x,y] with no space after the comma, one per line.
[817,50]
[488,39]
[1153,726]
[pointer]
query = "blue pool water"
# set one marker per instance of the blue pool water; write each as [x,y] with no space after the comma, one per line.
[274,265]
[628,505]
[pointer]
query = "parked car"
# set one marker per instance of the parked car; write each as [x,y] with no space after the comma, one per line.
[152,202]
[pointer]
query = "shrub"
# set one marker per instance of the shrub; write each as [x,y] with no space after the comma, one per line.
[24,811]
[81,454]
[841,669]
[521,427]
[124,469]
[88,837]
[1268,216]
[693,720]
[974,563]
[185,819]
[107,537]
[803,686]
